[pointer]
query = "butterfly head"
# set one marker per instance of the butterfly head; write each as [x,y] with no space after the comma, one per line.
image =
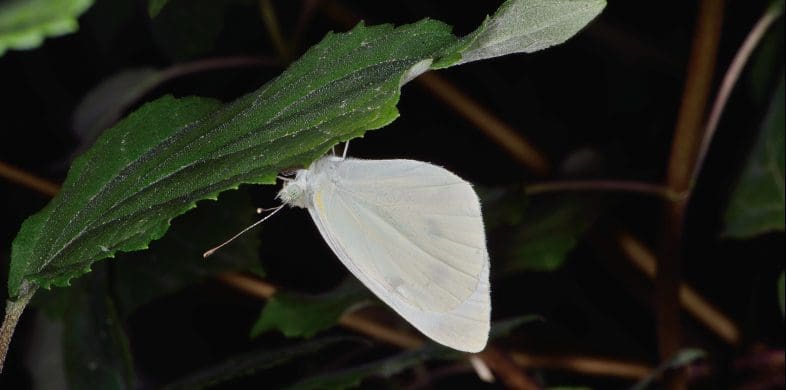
[293,192]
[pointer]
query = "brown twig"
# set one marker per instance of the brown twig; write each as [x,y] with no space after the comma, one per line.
[206,64]
[503,365]
[590,365]
[730,80]
[685,146]
[307,11]
[500,132]
[701,309]
[602,185]
[268,13]
[28,180]
[356,321]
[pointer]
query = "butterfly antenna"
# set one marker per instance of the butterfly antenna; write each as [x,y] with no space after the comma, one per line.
[214,249]
[346,150]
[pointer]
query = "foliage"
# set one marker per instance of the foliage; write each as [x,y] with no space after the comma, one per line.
[176,152]
[171,153]
[94,342]
[301,315]
[25,23]
[540,231]
[758,202]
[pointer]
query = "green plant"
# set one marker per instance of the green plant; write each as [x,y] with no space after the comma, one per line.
[180,173]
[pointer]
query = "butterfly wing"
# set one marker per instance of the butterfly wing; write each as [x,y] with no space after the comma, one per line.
[413,233]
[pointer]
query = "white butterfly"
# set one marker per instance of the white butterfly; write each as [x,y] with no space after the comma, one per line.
[412,232]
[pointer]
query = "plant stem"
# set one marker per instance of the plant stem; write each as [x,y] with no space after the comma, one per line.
[603,185]
[684,150]
[28,180]
[269,16]
[696,305]
[730,80]
[13,312]
[500,132]
[205,64]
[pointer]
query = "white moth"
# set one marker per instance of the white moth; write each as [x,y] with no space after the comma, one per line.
[412,232]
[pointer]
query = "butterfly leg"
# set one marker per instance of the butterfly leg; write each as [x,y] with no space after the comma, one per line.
[346,150]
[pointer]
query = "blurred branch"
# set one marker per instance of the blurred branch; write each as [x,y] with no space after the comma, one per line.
[307,11]
[504,366]
[268,13]
[28,180]
[428,381]
[602,185]
[356,321]
[205,64]
[500,132]
[492,356]
[772,14]
[590,365]
[641,257]
[684,149]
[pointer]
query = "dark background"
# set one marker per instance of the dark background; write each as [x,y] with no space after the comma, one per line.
[613,90]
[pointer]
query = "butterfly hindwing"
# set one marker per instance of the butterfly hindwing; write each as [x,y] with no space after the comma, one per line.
[412,232]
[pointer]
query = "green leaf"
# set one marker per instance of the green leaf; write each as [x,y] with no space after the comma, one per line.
[757,202]
[301,315]
[176,262]
[782,293]
[154,7]
[528,26]
[170,153]
[540,231]
[106,204]
[93,346]
[156,163]
[96,349]
[25,23]
[248,363]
